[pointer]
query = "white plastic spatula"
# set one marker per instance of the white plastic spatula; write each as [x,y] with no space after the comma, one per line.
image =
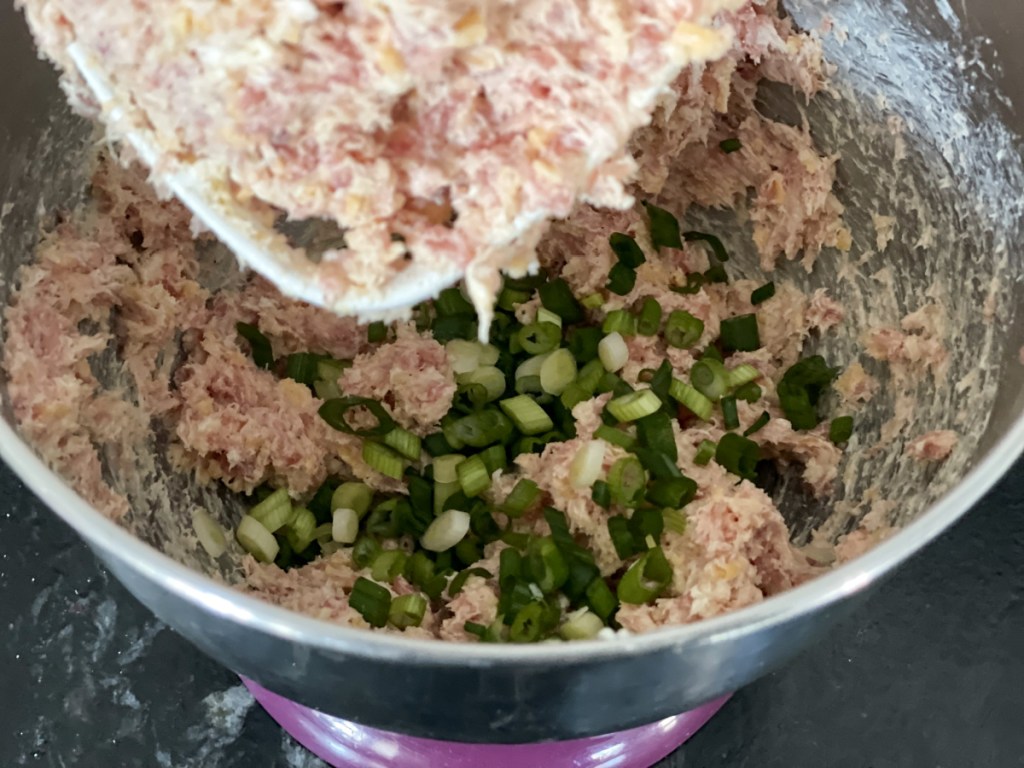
[255,243]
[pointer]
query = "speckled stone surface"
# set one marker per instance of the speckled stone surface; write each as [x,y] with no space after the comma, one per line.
[929,673]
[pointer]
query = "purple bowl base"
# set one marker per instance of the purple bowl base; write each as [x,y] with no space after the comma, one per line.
[347,745]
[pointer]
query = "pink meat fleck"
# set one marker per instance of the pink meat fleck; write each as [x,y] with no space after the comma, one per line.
[933,446]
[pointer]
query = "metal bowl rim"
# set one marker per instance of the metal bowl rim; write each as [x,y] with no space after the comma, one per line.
[231,604]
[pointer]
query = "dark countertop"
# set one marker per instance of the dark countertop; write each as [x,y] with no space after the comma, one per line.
[929,673]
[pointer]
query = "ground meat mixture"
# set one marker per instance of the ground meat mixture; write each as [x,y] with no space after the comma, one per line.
[124,270]
[462,127]
[933,446]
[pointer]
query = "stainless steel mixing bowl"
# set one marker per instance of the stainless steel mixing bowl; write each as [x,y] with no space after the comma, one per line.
[923,115]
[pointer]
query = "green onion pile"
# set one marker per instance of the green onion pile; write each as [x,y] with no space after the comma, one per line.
[516,395]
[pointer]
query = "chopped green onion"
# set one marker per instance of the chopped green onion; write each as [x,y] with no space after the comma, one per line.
[634,405]
[444,467]
[437,445]
[711,352]
[673,493]
[619,321]
[692,399]
[303,367]
[646,579]
[259,345]
[473,476]
[419,569]
[557,371]
[545,315]
[529,418]
[556,296]
[738,455]
[621,279]
[451,302]
[274,512]
[510,298]
[622,537]
[613,352]
[801,388]
[730,417]
[675,520]
[464,355]
[601,494]
[376,332]
[446,531]
[758,425]
[655,433]
[650,318]
[334,413]
[352,495]
[345,526]
[526,627]
[405,442]
[683,330]
[209,533]
[750,393]
[710,378]
[615,436]
[327,390]
[444,491]
[573,395]
[705,453]
[715,244]
[740,334]
[494,458]
[841,429]
[301,530]
[626,481]
[647,525]
[331,370]
[546,565]
[407,611]
[664,227]
[468,550]
[528,372]
[388,565]
[716,274]
[455,585]
[515,539]
[582,342]
[257,540]
[593,301]
[521,498]
[320,505]
[611,383]
[658,464]
[694,282]
[762,294]
[482,428]
[587,464]
[483,385]
[510,569]
[730,145]
[581,625]
[365,552]
[538,338]
[601,599]
[743,374]
[383,459]
[661,382]
[371,601]
[628,253]
[590,375]
[451,327]
[534,443]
